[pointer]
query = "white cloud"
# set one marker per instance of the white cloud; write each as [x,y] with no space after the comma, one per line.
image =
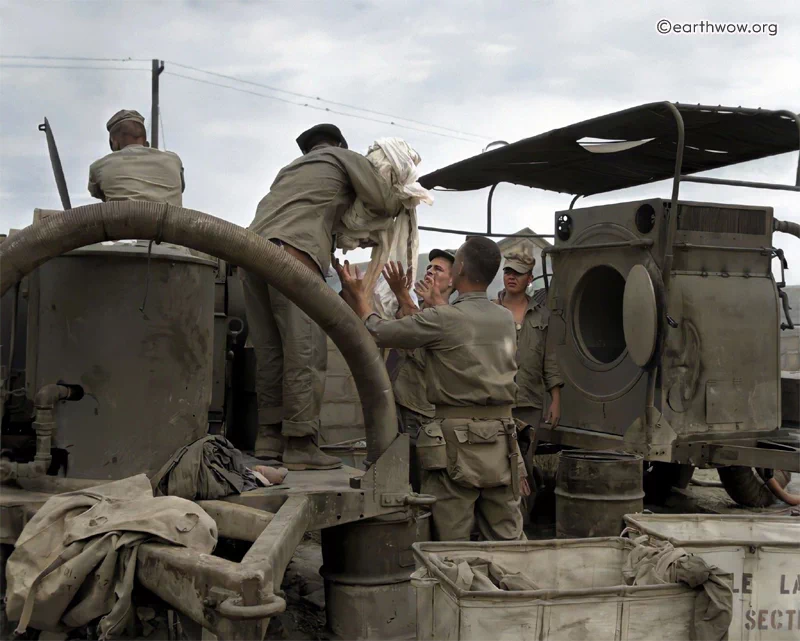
[506,71]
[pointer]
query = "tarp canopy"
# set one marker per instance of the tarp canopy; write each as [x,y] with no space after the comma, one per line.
[624,149]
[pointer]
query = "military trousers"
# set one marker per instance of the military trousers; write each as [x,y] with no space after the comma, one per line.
[291,359]
[530,416]
[409,422]
[459,509]
[474,486]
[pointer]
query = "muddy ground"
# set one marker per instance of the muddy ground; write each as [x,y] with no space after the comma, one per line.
[304,618]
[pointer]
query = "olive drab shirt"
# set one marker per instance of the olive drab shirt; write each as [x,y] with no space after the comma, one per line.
[410,387]
[538,372]
[310,195]
[469,349]
[138,173]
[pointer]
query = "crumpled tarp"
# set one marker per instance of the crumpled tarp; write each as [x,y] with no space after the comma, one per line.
[392,239]
[475,574]
[75,560]
[210,468]
[659,563]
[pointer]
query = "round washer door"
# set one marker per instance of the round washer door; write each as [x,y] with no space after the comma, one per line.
[640,315]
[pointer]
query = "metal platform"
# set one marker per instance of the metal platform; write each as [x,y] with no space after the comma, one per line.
[235,600]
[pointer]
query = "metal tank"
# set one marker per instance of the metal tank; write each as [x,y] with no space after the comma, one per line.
[594,492]
[367,567]
[137,334]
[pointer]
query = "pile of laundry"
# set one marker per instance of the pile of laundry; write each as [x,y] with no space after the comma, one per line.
[391,239]
[75,561]
[475,574]
[653,562]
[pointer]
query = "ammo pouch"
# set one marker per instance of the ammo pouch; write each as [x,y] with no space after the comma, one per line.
[479,453]
[431,448]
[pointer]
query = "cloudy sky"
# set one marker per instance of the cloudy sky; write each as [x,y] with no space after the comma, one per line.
[489,70]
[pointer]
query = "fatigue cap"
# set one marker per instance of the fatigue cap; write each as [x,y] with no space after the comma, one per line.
[442,253]
[326,130]
[520,259]
[122,115]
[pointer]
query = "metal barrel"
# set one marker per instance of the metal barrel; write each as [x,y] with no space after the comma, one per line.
[594,491]
[136,332]
[367,568]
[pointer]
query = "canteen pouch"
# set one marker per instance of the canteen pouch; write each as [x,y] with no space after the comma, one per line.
[431,447]
[479,455]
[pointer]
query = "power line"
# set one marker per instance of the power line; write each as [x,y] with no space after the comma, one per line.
[316,107]
[461,135]
[317,98]
[15,66]
[76,58]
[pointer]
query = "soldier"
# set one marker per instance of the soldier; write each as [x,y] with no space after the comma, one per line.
[468,454]
[134,170]
[407,367]
[538,372]
[298,214]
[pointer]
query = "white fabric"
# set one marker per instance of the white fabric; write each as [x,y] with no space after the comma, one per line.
[75,560]
[396,239]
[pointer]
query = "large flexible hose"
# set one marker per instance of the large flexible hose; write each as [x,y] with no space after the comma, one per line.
[61,232]
[786,226]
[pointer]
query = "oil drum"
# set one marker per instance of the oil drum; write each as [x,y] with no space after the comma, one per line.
[367,568]
[594,491]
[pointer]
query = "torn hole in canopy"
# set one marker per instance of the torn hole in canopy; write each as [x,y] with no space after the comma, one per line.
[605,146]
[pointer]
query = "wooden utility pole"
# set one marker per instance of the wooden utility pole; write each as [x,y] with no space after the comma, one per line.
[158,67]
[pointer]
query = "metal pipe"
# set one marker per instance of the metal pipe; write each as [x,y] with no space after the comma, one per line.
[157,68]
[738,183]
[43,424]
[461,232]
[61,232]
[640,242]
[489,210]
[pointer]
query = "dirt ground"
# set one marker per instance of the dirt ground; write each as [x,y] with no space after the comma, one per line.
[304,618]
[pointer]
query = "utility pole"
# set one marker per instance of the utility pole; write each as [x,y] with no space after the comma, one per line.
[158,67]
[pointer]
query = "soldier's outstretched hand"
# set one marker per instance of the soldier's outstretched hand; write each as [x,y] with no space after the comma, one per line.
[428,292]
[353,288]
[395,277]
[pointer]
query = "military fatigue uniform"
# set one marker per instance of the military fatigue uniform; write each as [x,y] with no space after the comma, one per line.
[468,453]
[537,373]
[304,203]
[138,173]
[412,404]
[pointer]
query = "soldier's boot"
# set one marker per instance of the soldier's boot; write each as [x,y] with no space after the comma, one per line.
[302,453]
[269,442]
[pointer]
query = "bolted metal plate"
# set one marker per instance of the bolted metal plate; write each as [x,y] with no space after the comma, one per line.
[639,315]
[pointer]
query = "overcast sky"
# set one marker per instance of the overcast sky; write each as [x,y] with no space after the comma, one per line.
[501,70]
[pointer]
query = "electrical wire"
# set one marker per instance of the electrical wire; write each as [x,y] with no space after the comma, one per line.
[76,58]
[16,66]
[316,107]
[332,102]
[460,135]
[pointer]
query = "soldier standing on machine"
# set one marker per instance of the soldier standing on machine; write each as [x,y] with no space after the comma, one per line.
[468,453]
